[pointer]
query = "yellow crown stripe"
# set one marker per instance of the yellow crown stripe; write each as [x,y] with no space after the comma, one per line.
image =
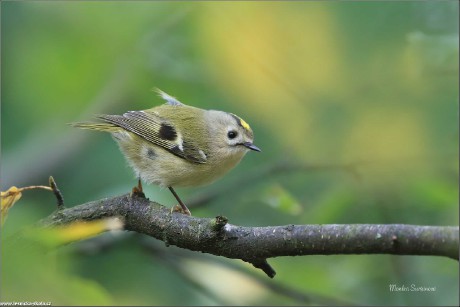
[241,122]
[245,124]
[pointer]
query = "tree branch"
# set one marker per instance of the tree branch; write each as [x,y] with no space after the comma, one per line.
[256,244]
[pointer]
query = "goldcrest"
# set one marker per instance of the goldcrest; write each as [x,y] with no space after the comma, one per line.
[175,145]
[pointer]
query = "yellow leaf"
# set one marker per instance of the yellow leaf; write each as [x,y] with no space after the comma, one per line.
[83,230]
[75,231]
[9,198]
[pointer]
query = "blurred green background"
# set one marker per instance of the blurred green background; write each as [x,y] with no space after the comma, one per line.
[373,85]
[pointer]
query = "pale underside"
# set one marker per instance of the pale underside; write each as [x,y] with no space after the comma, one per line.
[155,165]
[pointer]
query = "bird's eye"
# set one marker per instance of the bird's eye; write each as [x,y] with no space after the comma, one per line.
[232,134]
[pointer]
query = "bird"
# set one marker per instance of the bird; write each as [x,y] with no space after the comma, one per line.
[177,145]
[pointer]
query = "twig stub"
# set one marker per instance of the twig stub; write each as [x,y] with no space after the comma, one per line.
[57,194]
[264,266]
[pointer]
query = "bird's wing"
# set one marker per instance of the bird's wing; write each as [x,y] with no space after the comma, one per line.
[158,131]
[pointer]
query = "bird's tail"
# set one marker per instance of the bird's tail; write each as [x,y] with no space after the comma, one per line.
[106,127]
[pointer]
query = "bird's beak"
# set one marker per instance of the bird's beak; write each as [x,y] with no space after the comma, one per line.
[251,146]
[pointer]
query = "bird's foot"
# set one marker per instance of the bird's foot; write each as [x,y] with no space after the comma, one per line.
[137,191]
[180,209]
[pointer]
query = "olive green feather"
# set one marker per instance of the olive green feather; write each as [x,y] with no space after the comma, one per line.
[151,126]
[106,127]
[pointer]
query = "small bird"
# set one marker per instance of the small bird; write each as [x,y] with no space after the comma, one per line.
[176,145]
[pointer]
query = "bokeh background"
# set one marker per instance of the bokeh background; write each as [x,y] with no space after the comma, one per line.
[361,96]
